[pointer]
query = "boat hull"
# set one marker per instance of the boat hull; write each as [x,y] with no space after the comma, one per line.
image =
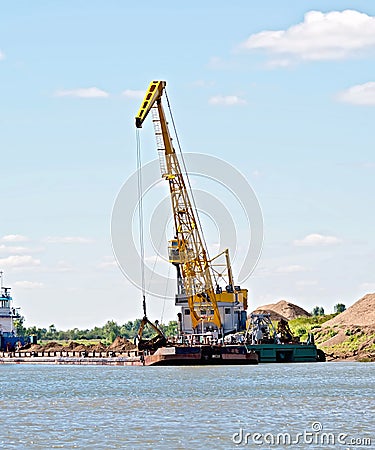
[201,356]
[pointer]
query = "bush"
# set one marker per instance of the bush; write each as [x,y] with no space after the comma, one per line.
[300,331]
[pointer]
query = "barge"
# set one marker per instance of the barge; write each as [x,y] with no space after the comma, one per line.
[164,356]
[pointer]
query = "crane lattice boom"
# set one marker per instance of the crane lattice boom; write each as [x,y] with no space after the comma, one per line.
[187,251]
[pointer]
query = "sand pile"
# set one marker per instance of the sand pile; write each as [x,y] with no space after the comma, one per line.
[71,346]
[282,310]
[99,347]
[362,313]
[33,348]
[273,315]
[52,347]
[80,348]
[121,344]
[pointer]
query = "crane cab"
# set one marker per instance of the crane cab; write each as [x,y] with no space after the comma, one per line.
[177,255]
[174,252]
[232,305]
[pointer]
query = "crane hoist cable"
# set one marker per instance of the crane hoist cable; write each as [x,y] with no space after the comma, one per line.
[140,220]
[160,340]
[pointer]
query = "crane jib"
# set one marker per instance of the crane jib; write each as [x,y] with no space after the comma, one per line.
[154,92]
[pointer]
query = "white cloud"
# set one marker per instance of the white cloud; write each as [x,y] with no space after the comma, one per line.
[12,249]
[2,56]
[361,94]
[14,238]
[28,284]
[91,92]
[17,249]
[226,100]
[67,240]
[290,269]
[321,36]
[133,94]
[317,239]
[19,261]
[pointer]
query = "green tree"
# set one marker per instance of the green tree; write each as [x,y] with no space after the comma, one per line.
[318,311]
[339,308]
[111,330]
[40,333]
[170,329]
[51,333]
[19,327]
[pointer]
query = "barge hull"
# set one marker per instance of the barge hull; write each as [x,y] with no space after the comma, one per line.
[209,355]
[287,353]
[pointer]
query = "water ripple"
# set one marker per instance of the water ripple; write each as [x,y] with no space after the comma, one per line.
[85,407]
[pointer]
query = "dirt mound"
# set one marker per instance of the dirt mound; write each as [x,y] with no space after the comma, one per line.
[98,347]
[71,346]
[51,346]
[362,313]
[80,348]
[284,309]
[274,315]
[32,348]
[121,344]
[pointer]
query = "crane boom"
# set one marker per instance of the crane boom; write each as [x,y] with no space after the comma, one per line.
[187,249]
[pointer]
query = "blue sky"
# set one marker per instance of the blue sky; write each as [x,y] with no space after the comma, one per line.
[283,93]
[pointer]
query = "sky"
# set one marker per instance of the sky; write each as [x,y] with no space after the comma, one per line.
[282,91]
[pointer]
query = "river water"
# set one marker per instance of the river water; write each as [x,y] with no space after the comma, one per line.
[101,407]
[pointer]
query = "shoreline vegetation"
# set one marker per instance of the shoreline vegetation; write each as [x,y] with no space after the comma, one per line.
[106,334]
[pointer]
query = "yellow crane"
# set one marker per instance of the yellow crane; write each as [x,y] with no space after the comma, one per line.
[208,304]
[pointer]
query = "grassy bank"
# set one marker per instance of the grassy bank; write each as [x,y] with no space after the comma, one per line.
[338,341]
